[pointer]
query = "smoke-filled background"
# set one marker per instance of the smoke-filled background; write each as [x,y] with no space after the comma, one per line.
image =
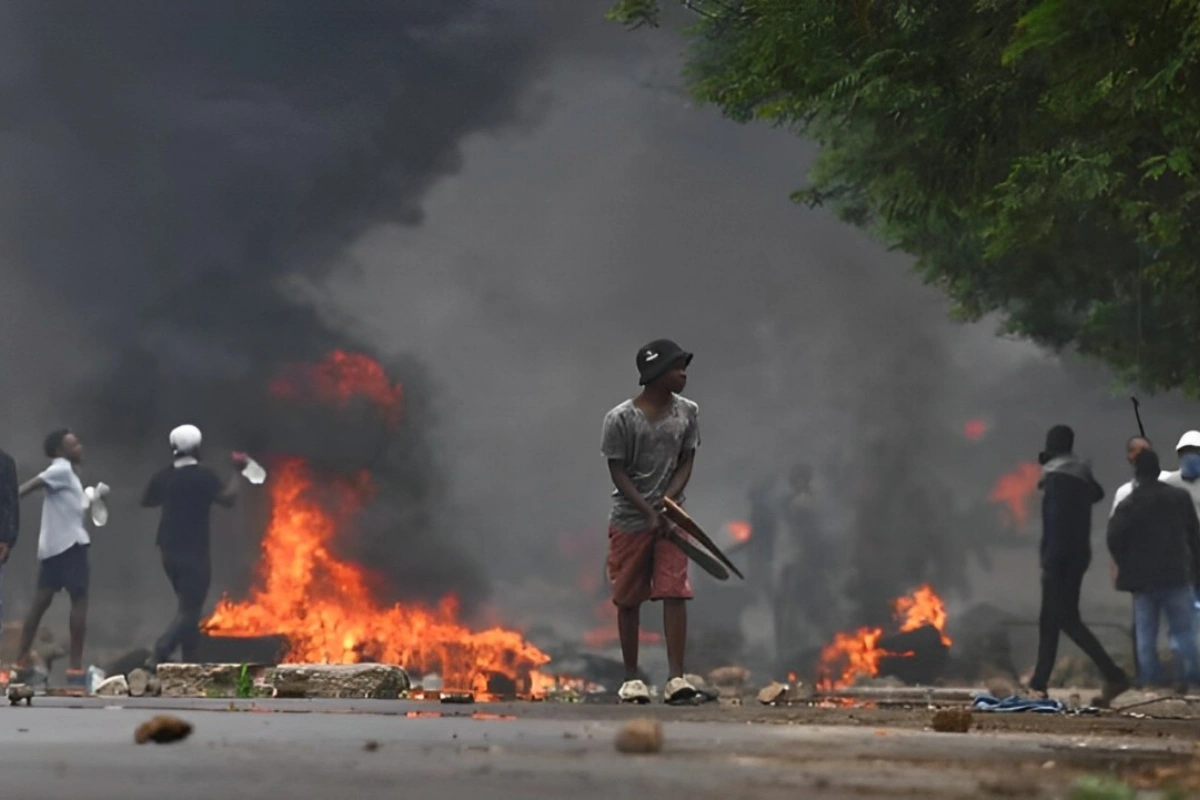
[502,201]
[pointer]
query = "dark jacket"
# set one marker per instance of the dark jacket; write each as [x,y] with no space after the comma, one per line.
[1154,538]
[10,504]
[1068,493]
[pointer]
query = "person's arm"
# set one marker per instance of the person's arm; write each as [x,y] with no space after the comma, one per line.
[624,484]
[10,507]
[683,474]
[1097,489]
[31,485]
[1118,531]
[153,496]
[1192,525]
[687,457]
[226,495]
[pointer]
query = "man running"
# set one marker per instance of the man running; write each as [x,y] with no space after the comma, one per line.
[186,492]
[63,544]
[650,443]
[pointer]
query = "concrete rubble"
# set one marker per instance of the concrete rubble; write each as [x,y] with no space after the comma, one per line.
[346,681]
[116,686]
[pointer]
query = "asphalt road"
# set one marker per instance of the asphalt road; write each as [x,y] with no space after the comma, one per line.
[297,749]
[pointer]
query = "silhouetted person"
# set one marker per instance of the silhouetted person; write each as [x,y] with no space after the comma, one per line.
[186,492]
[1154,538]
[1068,493]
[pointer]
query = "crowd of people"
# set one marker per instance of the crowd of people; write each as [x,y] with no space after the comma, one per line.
[185,491]
[1153,537]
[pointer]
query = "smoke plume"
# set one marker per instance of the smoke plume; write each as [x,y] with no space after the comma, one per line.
[180,175]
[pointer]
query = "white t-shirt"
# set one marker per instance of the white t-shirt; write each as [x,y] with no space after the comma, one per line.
[62,510]
[1192,487]
[1169,478]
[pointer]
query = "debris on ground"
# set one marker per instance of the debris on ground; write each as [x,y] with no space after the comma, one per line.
[18,692]
[773,693]
[162,729]
[371,746]
[640,736]
[116,686]
[459,698]
[952,720]
[731,677]
[143,684]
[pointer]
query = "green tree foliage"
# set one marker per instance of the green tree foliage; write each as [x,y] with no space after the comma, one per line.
[1037,158]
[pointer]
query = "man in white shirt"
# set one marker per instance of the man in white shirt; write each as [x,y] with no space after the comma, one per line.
[62,548]
[1187,477]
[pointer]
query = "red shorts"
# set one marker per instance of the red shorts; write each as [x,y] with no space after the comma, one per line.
[643,566]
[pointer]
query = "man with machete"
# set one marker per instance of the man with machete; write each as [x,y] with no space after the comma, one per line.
[650,442]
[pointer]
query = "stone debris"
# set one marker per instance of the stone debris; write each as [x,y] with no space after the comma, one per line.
[18,692]
[640,736]
[162,729]
[199,680]
[143,684]
[348,681]
[731,677]
[952,720]
[773,693]
[116,686]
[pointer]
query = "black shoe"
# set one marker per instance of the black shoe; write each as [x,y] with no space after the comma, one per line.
[1112,690]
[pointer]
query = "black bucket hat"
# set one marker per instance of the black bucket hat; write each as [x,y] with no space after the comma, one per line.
[654,359]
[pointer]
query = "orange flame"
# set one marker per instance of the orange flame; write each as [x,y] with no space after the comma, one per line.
[1015,490]
[323,605]
[852,655]
[340,378]
[739,530]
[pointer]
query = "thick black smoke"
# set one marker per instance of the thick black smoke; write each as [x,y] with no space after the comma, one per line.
[178,174]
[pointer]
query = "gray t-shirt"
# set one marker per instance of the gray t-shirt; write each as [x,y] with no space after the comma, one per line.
[650,451]
[62,510]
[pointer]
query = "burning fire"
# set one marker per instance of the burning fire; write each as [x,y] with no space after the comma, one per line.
[739,530]
[322,604]
[856,654]
[1015,490]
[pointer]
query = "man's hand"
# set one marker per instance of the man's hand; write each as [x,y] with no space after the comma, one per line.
[1112,570]
[239,459]
[656,523]
[4,552]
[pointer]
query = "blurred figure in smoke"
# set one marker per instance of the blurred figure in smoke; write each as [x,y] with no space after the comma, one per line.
[10,510]
[1133,447]
[801,561]
[1154,538]
[650,443]
[186,492]
[63,544]
[1069,492]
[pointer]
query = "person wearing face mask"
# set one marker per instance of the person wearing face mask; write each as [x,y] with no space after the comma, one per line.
[1187,477]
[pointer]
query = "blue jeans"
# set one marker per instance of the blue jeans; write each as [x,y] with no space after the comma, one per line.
[1148,607]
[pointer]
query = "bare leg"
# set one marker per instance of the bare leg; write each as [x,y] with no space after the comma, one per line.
[675,627]
[78,623]
[628,625]
[41,602]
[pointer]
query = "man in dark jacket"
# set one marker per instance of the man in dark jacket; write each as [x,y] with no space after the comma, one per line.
[1068,493]
[10,508]
[1154,538]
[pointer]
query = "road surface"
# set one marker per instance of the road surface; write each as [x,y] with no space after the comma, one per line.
[343,749]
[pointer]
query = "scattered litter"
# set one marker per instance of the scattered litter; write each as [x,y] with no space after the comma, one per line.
[640,736]
[162,729]
[371,746]
[952,720]
[116,686]
[20,691]
[772,693]
[461,698]
[1017,704]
